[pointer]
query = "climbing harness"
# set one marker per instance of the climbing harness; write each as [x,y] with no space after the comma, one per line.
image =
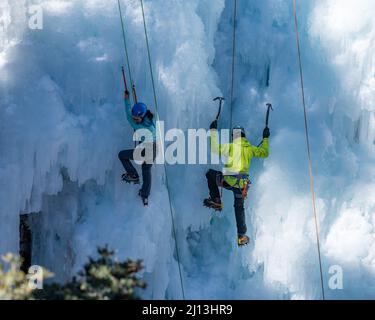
[312,189]
[220,180]
[245,188]
[165,167]
[246,183]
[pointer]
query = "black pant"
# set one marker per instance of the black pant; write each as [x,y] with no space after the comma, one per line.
[126,155]
[214,179]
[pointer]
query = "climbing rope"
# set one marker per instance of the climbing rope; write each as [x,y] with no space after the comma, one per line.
[162,149]
[127,59]
[233,62]
[125,44]
[308,147]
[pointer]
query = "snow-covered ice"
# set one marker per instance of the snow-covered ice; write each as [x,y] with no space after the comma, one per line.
[62,125]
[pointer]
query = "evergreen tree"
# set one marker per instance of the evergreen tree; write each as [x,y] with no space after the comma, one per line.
[103,278]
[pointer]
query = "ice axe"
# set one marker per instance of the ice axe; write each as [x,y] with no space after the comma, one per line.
[269,107]
[126,85]
[221,99]
[135,94]
[124,78]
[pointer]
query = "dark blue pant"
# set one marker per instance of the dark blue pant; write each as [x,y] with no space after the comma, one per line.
[214,180]
[125,156]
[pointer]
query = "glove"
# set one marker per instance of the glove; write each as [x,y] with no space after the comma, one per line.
[266,133]
[213,125]
[126,94]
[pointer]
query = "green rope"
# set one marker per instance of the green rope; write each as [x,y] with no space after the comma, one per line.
[308,149]
[165,167]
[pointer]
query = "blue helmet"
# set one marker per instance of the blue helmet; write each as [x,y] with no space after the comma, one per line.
[139,110]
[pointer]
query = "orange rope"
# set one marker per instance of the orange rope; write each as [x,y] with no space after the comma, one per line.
[312,189]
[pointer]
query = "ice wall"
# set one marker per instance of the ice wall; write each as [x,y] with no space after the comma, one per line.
[62,125]
[338,68]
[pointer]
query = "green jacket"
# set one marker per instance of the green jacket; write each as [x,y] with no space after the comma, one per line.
[240,153]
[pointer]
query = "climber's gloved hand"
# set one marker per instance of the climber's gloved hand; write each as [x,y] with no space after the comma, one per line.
[266,133]
[126,94]
[213,125]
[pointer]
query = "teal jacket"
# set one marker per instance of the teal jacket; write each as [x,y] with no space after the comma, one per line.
[147,123]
